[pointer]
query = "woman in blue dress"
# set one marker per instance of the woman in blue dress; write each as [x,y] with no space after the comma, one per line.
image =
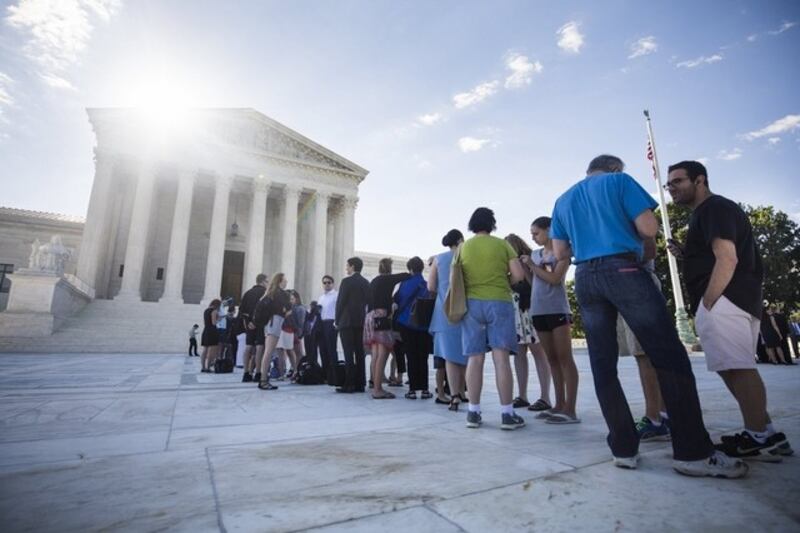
[447,336]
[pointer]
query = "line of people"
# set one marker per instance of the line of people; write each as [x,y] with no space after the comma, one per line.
[516,302]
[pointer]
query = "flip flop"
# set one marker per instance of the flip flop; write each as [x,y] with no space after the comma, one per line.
[540,405]
[560,418]
[386,395]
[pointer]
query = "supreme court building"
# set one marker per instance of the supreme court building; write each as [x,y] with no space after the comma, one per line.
[191,207]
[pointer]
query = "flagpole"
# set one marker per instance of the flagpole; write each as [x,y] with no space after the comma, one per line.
[681,317]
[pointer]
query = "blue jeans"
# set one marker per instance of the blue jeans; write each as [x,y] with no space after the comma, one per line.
[609,285]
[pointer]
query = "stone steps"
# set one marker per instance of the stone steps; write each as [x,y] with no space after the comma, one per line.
[106,326]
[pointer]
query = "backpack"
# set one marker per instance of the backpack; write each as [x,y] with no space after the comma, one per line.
[311,322]
[223,366]
[309,372]
[264,311]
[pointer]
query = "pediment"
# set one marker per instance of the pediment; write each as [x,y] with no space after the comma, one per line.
[247,131]
[252,131]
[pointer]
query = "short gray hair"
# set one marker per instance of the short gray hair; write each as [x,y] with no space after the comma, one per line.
[606,163]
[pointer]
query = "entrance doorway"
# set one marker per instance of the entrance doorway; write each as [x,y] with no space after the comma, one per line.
[232,274]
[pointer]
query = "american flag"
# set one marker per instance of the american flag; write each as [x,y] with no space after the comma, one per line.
[651,157]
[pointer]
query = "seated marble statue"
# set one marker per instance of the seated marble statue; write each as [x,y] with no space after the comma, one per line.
[51,257]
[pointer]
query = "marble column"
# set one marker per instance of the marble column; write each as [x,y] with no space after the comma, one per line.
[179,239]
[96,228]
[319,244]
[338,259]
[216,240]
[138,230]
[349,229]
[254,257]
[289,245]
[330,242]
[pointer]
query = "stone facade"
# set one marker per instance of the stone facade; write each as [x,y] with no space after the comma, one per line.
[19,228]
[194,210]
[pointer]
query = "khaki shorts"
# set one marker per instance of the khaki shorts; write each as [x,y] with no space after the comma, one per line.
[628,345]
[728,335]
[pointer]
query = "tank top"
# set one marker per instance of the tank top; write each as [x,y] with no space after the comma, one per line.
[547,299]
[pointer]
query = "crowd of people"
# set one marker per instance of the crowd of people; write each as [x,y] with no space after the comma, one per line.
[515,302]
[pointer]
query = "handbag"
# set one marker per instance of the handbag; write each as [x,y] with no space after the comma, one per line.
[381,323]
[422,312]
[455,301]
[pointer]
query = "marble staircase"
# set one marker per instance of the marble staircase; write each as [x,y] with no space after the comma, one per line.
[109,326]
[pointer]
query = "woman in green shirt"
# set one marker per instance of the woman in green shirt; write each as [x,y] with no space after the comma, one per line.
[490,266]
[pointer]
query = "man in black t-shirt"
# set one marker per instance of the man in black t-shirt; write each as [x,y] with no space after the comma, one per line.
[254,335]
[723,273]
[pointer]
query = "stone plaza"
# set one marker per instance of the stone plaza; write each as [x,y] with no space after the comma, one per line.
[143,442]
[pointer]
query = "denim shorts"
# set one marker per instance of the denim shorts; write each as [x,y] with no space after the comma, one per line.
[273,328]
[488,322]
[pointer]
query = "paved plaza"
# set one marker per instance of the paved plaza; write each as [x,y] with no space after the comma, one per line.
[146,443]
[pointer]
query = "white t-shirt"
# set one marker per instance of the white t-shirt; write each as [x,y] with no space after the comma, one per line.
[328,303]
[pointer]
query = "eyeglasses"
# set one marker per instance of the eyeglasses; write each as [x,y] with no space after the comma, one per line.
[327,283]
[671,184]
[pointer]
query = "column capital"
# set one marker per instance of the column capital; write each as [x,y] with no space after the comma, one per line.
[323,195]
[104,157]
[225,180]
[291,190]
[261,184]
[187,174]
[350,202]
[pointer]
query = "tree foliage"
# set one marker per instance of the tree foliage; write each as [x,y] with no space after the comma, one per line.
[778,239]
[577,324]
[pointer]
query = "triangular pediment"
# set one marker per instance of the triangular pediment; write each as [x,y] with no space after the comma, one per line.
[253,131]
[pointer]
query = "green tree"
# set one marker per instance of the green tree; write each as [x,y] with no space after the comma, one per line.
[778,239]
[577,324]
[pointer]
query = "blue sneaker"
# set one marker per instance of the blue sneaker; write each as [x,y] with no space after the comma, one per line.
[474,419]
[649,432]
[511,421]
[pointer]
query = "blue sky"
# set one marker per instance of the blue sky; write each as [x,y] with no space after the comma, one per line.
[450,105]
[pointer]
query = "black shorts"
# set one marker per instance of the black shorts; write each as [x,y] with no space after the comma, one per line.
[254,337]
[548,323]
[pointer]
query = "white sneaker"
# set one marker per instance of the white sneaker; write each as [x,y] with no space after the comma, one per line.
[718,465]
[627,462]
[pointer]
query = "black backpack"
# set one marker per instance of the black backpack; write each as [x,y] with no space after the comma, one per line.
[263,311]
[223,365]
[309,372]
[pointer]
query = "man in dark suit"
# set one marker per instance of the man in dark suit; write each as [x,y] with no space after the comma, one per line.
[350,310]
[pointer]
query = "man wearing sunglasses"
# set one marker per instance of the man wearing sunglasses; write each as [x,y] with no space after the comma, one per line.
[327,345]
[723,273]
[606,223]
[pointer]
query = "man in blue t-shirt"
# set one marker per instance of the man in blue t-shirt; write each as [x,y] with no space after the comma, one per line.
[606,222]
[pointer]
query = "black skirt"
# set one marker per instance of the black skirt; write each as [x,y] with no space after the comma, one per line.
[210,337]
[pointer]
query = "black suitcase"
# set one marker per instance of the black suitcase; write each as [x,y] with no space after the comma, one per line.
[339,374]
[223,366]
